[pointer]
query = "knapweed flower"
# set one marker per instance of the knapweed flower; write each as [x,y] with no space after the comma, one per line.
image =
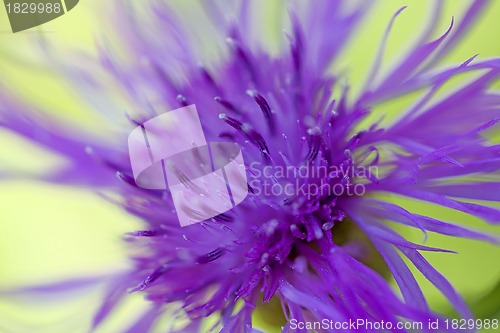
[316,232]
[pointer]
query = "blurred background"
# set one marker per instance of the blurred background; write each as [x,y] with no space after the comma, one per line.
[50,233]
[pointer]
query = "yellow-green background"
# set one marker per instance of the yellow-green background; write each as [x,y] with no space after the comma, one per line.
[50,232]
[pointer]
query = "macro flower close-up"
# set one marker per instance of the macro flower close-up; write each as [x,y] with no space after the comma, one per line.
[270,166]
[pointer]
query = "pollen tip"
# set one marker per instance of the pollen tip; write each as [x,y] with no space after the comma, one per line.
[246,127]
[251,92]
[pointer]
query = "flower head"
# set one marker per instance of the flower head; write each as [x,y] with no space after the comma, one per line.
[314,228]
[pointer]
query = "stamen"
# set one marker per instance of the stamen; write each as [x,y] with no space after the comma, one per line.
[266,109]
[211,256]
[150,279]
[248,131]
[228,105]
[126,178]
[242,56]
[144,233]
[208,78]
[182,100]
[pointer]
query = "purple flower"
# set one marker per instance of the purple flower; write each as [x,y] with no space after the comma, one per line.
[315,223]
